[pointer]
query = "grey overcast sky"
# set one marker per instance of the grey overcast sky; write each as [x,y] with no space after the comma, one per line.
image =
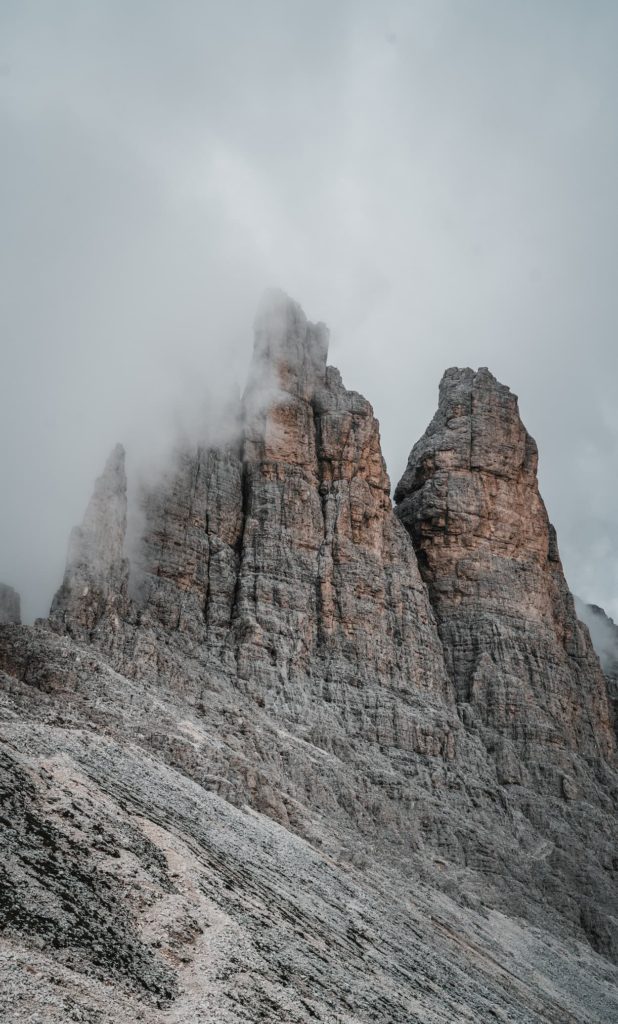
[435,180]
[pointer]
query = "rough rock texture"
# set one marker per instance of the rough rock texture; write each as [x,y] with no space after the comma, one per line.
[256,753]
[10,606]
[133,892]
[525,674]
[283,551]
[515,649]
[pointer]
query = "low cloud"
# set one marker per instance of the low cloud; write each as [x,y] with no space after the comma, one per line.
[434,181]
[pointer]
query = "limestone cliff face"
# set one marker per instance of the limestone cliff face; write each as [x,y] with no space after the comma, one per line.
[325,567]
[282,553]
[188,563]
[516,652]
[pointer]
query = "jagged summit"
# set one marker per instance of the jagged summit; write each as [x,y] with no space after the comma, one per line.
[326,759]
[289,359]
[287,342]
[476,427]
[470,500]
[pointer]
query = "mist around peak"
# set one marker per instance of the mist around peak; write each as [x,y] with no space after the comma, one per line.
[436,187]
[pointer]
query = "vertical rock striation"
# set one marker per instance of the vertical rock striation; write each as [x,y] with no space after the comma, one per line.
[328,583]
[189,558]
[519,659]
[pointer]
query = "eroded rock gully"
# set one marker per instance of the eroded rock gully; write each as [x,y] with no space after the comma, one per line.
[313,759]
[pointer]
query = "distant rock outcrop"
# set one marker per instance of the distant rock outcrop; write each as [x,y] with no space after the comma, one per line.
[97,571]
[604,636]
[10,606]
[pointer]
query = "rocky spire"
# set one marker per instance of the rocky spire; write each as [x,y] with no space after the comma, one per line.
[328,582]
[288,351]
[516,652]
[96,575]
[287,368]
[10,611]
[282,553]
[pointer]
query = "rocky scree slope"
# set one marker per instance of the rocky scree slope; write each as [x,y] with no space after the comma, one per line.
[272,771]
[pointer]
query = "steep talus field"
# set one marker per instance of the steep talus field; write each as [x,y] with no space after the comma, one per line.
[304,758]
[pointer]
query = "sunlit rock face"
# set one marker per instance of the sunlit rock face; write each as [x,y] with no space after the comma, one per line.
[300,757]
[516,652]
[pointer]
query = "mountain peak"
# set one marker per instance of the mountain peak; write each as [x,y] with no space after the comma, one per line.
[470,501]
[289,352]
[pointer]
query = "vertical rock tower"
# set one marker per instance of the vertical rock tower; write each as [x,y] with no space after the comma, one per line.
[519,659]
[326,570]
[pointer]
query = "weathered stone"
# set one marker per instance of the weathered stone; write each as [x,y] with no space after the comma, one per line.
[328,584]
[188,564]
[513,644]
[281,553]
[526,678]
